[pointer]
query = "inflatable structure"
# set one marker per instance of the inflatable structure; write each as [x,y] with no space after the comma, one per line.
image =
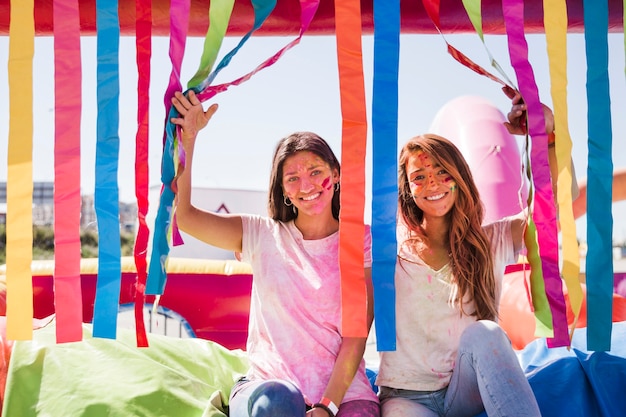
[41,359]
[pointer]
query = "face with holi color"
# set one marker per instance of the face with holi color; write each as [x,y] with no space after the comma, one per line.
[433,189]
[308,181]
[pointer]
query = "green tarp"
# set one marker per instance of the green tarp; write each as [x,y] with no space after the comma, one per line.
[104,377]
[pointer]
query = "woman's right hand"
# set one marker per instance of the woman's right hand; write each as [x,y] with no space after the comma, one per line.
[192,118]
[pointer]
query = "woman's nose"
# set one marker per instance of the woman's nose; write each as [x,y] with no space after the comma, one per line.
[306,185]
[431,181]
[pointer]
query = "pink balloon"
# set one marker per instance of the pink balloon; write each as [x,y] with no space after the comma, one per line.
[476,127]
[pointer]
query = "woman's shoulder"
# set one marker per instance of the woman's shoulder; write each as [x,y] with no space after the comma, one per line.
[258,221]
[503,224]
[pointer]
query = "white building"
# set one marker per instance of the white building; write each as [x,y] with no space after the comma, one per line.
[219,200]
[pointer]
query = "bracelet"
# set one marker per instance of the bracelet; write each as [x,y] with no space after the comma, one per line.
[325,408]
[328,405]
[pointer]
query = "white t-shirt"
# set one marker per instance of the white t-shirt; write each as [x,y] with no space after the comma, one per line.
[295,311]
[428,325]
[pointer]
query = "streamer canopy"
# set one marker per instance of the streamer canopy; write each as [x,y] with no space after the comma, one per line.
[285,19]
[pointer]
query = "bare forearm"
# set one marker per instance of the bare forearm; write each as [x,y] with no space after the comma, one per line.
[346,366]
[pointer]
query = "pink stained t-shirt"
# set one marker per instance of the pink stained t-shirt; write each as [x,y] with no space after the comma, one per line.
[295,307]
[428,324]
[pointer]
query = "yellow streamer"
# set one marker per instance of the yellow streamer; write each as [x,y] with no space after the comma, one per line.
[555,24]
[20,172]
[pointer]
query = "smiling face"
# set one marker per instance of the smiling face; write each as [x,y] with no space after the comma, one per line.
[432,187]
[308,181]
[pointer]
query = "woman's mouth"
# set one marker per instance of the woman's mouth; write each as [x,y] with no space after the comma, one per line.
[310,197]
[435,197]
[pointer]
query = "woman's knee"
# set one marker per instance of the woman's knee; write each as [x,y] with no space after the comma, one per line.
[276,398]
[404,407]
[484,332]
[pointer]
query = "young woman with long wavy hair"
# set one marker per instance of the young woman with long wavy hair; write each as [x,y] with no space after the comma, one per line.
[451,357]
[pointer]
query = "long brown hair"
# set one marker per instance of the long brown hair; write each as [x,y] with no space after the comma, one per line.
[470,250]
[286,147]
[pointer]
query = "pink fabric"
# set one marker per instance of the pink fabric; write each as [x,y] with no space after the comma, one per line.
[295,307]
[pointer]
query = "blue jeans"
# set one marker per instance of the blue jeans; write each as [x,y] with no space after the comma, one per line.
[277,398]
[486,377]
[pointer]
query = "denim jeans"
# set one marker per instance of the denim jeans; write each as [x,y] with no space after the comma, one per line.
[486,377]
[277,398]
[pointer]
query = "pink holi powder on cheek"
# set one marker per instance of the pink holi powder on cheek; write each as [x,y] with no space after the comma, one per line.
[451,183]
[327,183]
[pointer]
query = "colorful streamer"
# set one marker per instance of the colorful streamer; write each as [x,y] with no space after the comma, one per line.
[67,251]
[541,306]
[472,8]
[432,9]
[544,212]
[219,16]
[166,221]
[106,197]
[353,146]
[19,229]
[171,161]
[385,168]
[555,24]
[179,22]
[539,298]
[143,44]
[599,264]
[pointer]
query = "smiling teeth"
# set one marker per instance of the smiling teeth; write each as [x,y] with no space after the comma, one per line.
[310,197]
[435,197]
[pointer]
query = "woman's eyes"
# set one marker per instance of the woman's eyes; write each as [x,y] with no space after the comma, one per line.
[421,178]
[314,173]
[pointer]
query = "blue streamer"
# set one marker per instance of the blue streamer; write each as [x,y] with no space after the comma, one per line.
[157,275]
[599,264]
[106,197]
[155,283]
[385,168]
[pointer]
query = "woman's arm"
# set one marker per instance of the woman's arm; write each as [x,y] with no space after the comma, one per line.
[350,355]
[516,125]
[223,231]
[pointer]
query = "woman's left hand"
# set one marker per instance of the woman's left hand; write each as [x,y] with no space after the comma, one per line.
[192,117]
[516,124]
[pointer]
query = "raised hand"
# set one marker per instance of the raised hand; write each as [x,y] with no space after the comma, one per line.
[192,118]
[516,124]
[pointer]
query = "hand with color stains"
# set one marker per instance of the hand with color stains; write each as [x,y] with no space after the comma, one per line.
[516,124]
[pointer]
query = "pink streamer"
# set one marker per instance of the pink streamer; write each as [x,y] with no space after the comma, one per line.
[67,201]
[544,213]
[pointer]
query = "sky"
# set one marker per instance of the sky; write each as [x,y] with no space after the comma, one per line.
[300,92]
